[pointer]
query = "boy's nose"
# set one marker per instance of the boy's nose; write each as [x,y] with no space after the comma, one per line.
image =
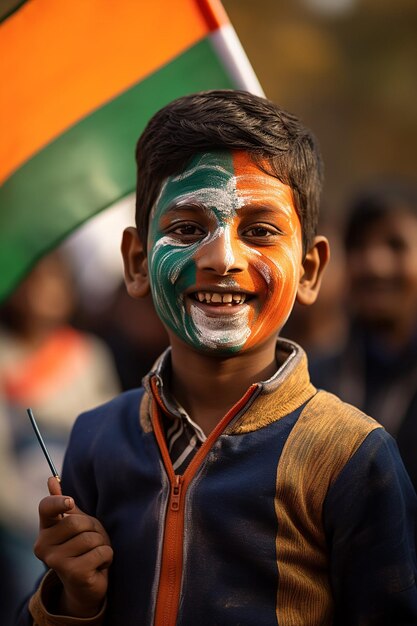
[221,255]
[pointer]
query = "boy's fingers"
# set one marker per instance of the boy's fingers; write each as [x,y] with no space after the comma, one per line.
[54,486]
[52,508]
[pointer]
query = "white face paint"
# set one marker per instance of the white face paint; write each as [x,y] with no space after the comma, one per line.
[222,330]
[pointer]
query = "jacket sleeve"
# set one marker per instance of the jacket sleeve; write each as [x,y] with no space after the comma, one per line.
[370,522]
[44,597]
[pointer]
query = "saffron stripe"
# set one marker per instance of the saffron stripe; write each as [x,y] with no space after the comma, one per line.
[62,60]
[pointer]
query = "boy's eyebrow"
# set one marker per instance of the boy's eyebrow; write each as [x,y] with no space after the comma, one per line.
[263,208]
[184,205]
[259,207]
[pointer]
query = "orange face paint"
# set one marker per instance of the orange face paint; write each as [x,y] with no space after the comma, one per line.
[275,268]
[224,253]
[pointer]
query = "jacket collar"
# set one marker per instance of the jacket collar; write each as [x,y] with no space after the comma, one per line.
[274,398]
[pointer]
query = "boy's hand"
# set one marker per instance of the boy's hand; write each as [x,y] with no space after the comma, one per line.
[77,547]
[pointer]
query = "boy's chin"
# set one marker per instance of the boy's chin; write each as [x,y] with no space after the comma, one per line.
[220,349]
[218,334]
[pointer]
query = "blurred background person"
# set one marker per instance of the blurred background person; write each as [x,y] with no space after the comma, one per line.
[59,371]
[376,368]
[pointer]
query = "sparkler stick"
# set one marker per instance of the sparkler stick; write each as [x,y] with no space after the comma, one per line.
[43,446]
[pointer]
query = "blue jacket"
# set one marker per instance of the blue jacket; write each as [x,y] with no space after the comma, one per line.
[296,511]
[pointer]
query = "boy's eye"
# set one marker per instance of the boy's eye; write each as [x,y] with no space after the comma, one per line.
[262,232]
[187,231]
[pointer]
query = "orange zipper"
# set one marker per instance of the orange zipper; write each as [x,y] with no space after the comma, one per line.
[169,589]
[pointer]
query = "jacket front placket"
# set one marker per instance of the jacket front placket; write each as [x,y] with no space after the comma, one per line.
[169,588]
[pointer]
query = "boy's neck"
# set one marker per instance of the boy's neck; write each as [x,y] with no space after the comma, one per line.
[207,387]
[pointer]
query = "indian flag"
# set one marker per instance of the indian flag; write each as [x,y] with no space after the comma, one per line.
[80,79]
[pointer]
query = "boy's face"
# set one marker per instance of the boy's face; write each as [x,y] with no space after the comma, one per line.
[224,253]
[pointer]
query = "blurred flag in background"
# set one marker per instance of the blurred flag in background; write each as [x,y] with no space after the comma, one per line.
[80,79]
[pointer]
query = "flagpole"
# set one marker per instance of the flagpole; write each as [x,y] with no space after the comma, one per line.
[228,47]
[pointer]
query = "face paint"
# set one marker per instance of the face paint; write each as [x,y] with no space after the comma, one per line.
[224,253]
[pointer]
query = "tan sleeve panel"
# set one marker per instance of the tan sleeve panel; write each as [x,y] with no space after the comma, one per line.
[326,435]
[145,413]
[293,391]
[49,587]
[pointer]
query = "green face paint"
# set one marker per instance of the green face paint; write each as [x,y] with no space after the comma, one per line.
[207,182]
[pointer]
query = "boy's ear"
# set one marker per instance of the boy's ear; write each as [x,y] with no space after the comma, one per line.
[135,264]
[313,266]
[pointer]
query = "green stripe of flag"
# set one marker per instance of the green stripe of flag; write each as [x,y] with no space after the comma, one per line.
[91,166]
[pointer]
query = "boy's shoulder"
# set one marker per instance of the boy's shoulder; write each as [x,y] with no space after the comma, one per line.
[105,420]
[323,434]
[335,428]
[331,441]
[326,438]
[327,413]
[290,390]
[119,403]
[98,432]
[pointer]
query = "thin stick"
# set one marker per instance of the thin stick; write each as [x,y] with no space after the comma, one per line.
[43,446]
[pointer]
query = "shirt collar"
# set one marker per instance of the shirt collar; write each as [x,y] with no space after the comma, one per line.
[162,369]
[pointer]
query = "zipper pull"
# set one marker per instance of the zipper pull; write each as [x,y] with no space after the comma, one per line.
[176,494]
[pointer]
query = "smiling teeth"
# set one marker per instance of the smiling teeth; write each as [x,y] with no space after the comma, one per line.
[224,298]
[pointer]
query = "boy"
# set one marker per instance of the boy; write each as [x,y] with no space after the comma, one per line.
[228,490]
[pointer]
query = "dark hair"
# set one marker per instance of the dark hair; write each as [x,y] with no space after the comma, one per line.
[233,120]
[373,203]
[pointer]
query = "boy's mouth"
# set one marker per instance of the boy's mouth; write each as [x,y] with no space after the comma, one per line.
[215,298]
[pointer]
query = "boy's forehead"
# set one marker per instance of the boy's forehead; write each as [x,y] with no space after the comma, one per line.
[229,176]
[203,175]
[216,163]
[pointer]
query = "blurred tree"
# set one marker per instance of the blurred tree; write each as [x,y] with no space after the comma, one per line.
[350,74]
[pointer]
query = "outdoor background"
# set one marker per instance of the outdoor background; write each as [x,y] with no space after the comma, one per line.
[348,68]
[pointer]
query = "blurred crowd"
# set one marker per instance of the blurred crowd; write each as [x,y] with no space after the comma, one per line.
[361,335]
[60,357]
